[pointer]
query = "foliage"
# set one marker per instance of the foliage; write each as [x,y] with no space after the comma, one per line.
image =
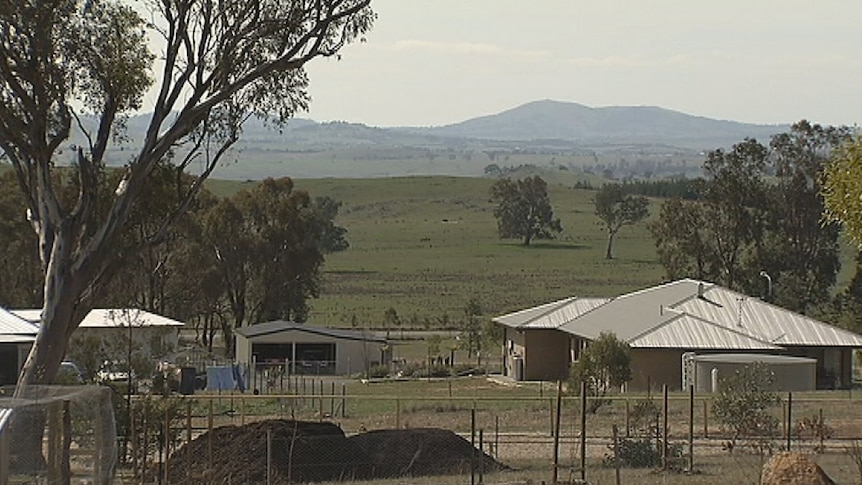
[643,416]
[743,404]
[758,212]
[523,209]
[639,453]
[378,371]
[64,55]
[617,209]
[841,186]
[605,364]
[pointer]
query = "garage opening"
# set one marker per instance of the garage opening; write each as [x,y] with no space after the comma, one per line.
[308,358]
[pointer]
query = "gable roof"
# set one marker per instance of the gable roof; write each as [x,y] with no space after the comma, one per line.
[279,326]
[111,317]
[14,329]
[689,314]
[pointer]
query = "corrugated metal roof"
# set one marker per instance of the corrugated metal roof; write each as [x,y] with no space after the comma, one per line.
[11,324]
[688,314]
[551,315]
[634,313]
[766,321]
[111,317]
[689,332]
[278,326]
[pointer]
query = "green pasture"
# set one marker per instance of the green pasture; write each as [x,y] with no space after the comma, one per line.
[426,245]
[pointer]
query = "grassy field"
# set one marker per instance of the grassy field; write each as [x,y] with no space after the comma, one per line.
[426,245]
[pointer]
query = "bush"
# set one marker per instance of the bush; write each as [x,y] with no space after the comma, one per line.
[743,405]
[640,453]
[378,372]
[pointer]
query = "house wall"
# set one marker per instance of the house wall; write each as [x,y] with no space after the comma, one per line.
[834,365]
[151,341]
[546,355]
[652,368]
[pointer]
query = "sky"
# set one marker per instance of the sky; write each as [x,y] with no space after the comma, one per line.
[436,62]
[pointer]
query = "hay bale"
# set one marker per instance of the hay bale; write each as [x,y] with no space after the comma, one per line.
[793,469]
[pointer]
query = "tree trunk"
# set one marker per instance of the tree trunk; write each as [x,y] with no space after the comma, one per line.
[609,254]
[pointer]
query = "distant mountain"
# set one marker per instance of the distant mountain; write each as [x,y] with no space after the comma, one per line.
[608,125]
[628,141]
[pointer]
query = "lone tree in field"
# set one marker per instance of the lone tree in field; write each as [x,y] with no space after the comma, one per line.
[603,365]
[524,209]
[220,63]
[617,209]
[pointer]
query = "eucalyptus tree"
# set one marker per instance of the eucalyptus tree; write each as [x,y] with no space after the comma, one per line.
[524,209]
[219,63]
[842,188]
[617,209]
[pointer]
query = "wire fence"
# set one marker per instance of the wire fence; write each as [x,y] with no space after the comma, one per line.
[340,431]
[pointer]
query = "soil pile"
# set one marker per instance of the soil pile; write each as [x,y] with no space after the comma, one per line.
[303,451]
[793,469]
[300,452]
[421,451]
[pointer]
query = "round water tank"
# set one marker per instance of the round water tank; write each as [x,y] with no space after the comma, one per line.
[789,373]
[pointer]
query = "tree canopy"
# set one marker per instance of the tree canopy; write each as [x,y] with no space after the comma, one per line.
[603,365]
[617,209]
[223,61]
[757,214]
[523,209]
[841,188]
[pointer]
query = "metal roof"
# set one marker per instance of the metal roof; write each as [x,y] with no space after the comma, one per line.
[750,358]
[551,315]
[279,326]
[111,317]
[766,321]
[688,314]
[12,325]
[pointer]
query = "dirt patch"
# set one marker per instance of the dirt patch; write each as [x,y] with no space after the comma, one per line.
[302,451]
[421,451]
[793,469]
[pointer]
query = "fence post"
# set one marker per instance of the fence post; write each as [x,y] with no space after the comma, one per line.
[4,457]
[789,416]
[473,444]
[691,427]
[616,455]
[556,431]
[188,439]
[65,466]
[664,429]
[583,430]
[145,424]
[397,413]
[481,454]
[167,440]
[820,430]
[705,419]
[210,437]
[496,437]
[343,400]
[628,423]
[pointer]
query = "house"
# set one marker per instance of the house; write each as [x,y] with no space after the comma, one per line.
[309,349]
[16,337]
[664,322]
[150,334]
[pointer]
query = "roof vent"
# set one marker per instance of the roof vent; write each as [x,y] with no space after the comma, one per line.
[700,290]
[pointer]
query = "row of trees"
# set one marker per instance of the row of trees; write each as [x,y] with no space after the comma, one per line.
[228,262]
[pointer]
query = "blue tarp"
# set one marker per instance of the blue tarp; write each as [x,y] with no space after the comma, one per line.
[220,378]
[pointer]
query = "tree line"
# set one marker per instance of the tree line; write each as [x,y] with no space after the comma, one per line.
[225,263]
[757,221]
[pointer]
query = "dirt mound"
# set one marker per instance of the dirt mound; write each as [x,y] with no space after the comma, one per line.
[301,452]
[793,469]
[314,452]
[420,451]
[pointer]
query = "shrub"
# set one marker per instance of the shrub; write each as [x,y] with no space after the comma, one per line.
[742,405]
[378,371]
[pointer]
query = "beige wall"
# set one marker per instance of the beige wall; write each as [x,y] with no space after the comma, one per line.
[654,368]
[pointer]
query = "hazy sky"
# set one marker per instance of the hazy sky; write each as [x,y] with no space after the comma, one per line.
[434,62]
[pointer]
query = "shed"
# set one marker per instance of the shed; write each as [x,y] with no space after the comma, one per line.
[16,338]
[309,349]
[789,373]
